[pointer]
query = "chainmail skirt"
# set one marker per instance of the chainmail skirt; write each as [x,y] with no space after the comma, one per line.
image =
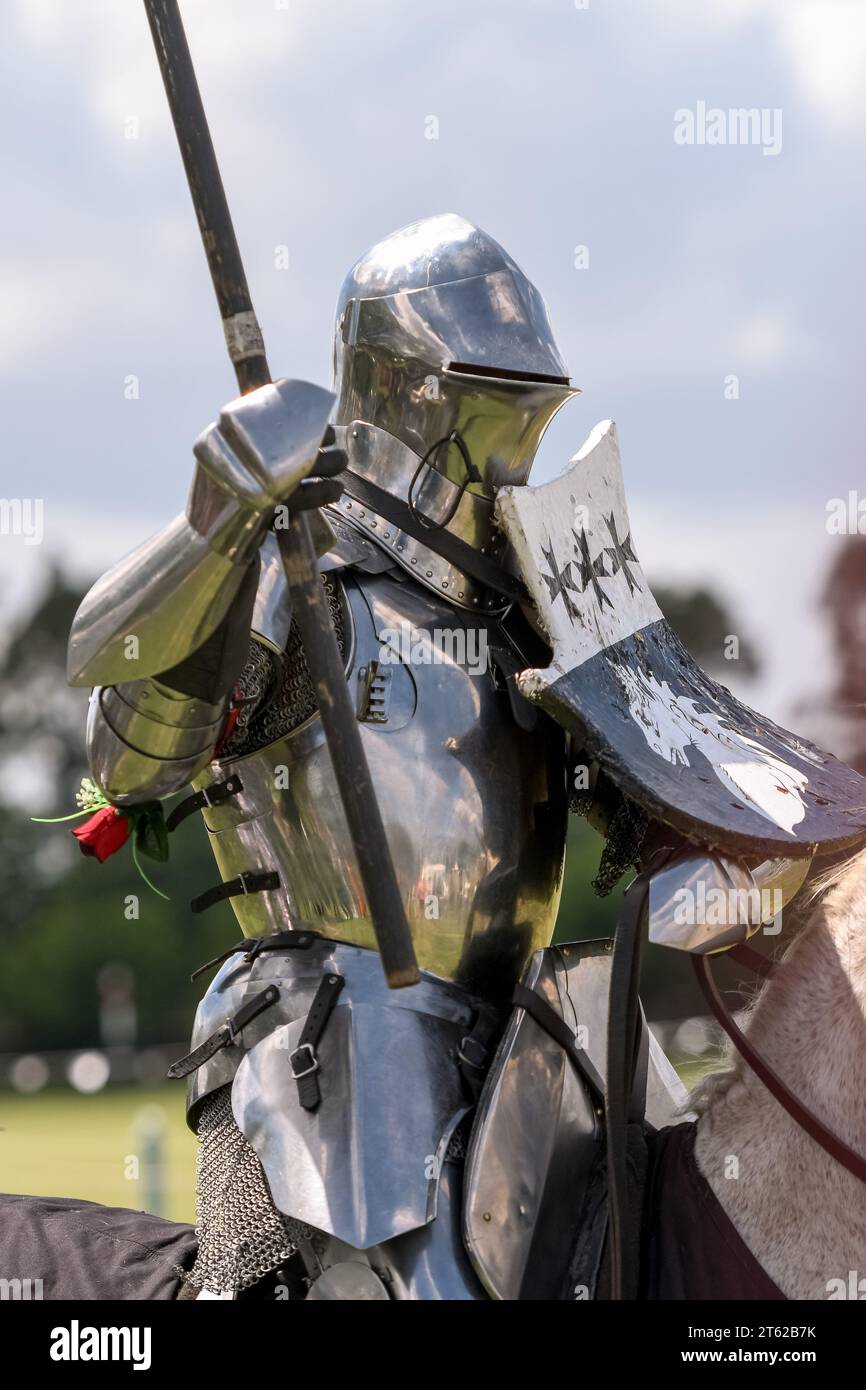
[241,1235]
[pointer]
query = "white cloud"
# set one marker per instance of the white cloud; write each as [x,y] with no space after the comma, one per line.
[703,332]
[110,46]
[825,43]
[822,42]
[766,340]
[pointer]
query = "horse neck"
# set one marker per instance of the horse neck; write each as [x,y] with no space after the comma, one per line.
[802,1215]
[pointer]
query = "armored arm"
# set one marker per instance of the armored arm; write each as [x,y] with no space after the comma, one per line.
[163,636]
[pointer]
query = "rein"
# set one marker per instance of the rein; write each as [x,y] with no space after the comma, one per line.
[830,1142]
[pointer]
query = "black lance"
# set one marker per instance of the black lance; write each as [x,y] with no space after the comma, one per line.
[309,604]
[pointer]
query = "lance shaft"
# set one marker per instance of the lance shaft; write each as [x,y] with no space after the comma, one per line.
[309,605]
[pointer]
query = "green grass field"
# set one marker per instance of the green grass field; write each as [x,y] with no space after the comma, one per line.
[62,1144]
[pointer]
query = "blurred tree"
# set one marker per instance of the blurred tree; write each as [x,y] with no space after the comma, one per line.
[50,992]
[704,626]
[41,718]
[844,602]
[41,752]
[62,917]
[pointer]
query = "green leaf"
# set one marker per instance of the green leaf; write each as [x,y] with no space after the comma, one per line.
[151,836]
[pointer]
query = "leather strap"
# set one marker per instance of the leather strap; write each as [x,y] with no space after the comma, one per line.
[507,667]
[473,1054]
[637,1106]
[443,543]
[753,960]
[263,882]
[209,796]
[555,1026]
[224,1035]
[623,1061]
[275,941]
[303,1061]
[830,1142]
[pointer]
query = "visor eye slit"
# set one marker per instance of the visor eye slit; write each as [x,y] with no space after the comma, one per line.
[506,374]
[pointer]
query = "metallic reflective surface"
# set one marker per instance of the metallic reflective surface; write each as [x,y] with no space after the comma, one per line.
[238,979]
[474,807]
[170,593]
[272,614]
[364,1166]
[389,1110]
[428,1264]
[145,741]
[390,465]
[706,902]
[535,1136]
[416,314]
[350,1280]
[266,442]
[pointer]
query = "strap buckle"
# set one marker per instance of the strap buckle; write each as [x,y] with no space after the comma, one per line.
[314,1061]
[226,1034]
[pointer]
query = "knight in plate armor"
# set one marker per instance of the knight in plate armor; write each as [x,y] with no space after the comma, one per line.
[421,1144]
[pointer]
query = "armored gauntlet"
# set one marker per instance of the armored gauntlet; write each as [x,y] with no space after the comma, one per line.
[164,634]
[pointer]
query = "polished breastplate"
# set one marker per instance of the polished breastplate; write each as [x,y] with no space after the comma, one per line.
[474,805]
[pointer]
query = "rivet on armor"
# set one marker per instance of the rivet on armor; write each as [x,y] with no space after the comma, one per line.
[429,574]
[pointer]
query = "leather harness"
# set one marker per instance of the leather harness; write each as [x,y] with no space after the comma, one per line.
[800,1113]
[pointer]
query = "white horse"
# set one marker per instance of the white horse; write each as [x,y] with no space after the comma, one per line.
[802,1215]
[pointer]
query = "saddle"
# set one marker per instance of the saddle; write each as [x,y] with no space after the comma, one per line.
[672,739]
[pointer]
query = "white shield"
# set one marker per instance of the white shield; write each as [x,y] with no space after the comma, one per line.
[674,740]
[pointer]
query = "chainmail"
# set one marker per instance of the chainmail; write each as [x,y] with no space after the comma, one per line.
[241,1235]
[623,841]
[276,693]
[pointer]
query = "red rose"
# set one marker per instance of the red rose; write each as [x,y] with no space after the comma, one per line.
[103,834]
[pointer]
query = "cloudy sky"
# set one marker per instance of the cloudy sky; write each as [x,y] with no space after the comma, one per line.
[555,125]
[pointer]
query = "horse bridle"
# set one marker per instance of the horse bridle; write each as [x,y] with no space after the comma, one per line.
[830,1142]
